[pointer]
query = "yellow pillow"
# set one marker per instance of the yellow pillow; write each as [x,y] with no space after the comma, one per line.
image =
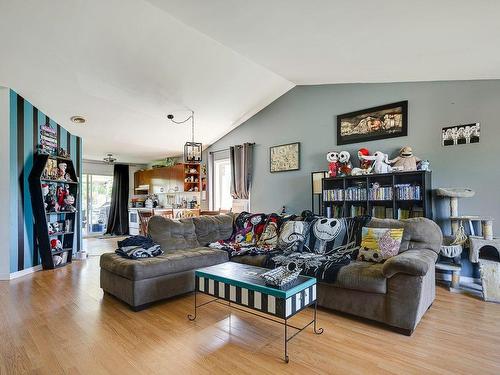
[379,244]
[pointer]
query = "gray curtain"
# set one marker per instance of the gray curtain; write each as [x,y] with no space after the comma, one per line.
[241,158]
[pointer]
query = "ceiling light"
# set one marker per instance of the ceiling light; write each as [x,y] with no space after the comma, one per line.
[109,159]
[192,150]
[78,119]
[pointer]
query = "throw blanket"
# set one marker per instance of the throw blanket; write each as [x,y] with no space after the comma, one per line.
[240,248]
[137,247]
[331,245]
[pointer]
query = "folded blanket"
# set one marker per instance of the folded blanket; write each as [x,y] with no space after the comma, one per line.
[240,248]
[137,252]
[142,241]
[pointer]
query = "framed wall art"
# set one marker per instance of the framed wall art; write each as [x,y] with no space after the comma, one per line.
[461,134]
[284,157]
[385,121]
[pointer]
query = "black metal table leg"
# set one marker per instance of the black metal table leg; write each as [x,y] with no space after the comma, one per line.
[190,316]
[317,331]
[287,359]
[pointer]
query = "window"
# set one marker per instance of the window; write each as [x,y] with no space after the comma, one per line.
[222,185]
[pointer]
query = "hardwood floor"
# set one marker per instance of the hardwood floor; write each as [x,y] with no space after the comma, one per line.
[59,322]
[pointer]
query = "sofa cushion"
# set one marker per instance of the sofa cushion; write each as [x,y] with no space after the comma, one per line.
[362,276]
[213,228]
[419,232]
[173,235]
[169,263]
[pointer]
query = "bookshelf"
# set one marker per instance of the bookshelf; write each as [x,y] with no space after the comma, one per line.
[397,195]
[54,222]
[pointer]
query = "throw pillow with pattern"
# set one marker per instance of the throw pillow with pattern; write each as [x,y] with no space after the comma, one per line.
[292,236]
[379,244]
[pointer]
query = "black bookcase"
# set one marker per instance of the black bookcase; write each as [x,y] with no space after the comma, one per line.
[399,195]
[62,219]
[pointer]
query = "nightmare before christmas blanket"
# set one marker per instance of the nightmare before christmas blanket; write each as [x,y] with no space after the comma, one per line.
[330,245]
[254,234]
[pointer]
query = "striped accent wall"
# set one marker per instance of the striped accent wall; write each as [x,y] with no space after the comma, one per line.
[262,302]
[25,123]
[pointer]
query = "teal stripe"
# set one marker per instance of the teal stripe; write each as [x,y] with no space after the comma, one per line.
[260,288]
[74,158]
[28,164]
[63,136]
[41,121]
[13,181]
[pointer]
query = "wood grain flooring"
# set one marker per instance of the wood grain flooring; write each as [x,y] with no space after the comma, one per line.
[58,321]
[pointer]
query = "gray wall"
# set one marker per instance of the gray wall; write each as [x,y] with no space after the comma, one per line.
[308,114]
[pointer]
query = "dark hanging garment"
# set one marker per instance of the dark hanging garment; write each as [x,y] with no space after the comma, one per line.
[118,213]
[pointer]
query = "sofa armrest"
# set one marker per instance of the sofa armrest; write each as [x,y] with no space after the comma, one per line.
[411,262]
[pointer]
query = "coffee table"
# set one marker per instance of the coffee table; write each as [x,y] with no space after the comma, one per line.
[240,285]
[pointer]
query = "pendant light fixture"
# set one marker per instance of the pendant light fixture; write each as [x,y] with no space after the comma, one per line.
[192,149]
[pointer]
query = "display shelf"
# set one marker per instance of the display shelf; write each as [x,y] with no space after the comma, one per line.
[417,183]
[42,218]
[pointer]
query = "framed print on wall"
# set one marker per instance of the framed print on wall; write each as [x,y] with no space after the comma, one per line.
[284,158]
[385,121]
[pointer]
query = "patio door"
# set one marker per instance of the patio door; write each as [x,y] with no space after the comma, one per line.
[96,198]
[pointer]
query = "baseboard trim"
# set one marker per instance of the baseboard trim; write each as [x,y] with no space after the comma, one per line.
[464,279]
[26,271]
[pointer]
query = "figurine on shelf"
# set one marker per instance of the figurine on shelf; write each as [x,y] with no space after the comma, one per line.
[61,173]
[50,228]
[63,153]
[50,200]
[333,163]
[62,193]
[45,192]
[380,160]
[57,227]
[345,166]
[406,161]
[55,245]
[424,165]
[69,202]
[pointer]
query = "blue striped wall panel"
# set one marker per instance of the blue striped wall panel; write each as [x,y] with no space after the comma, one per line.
[25,124]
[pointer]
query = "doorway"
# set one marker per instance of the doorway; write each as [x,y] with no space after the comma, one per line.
[96,202]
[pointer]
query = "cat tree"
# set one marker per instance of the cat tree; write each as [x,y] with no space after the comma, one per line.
[452,248]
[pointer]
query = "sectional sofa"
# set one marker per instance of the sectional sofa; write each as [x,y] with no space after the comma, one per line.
[397,292]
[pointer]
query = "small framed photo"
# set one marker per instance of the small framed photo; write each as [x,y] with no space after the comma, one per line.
[461,134]
[284,157]
[385,121]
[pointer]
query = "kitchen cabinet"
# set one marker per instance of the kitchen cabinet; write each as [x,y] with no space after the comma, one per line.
[166,178]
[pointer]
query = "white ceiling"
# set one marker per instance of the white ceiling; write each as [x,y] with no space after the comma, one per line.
[339,41]
[125,64]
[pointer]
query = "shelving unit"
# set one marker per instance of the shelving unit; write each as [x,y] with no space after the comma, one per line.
[354,195]
[192,177]
[43,218]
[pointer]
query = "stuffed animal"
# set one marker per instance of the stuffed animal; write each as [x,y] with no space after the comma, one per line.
[424,165]
[333,163]
[45,192]
[55,244]
[69,202]
[50,228]
[61,172]
[62,193]
[345,166]
[363,163]
[406,161]
[380,161]
[51,201]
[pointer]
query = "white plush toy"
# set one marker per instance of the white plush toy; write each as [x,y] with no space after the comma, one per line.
[380,162]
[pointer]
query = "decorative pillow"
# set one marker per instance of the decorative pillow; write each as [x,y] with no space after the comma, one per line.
[379,244]
[292,236]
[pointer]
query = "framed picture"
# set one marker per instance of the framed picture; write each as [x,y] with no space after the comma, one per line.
[461,134]
[385,121]
[284,157]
